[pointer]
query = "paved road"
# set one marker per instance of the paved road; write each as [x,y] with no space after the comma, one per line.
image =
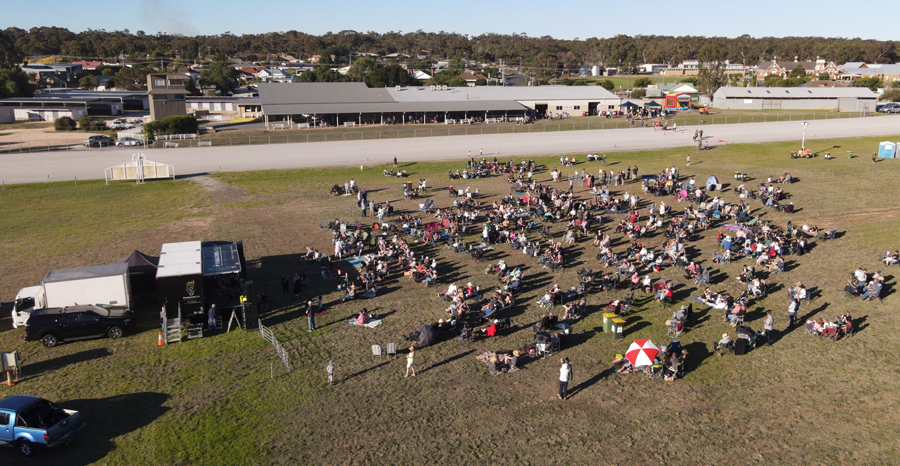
[58,166]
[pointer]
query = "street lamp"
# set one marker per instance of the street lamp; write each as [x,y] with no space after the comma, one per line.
[803,142]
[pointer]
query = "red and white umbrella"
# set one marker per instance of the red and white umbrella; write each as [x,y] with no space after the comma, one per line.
[642,352]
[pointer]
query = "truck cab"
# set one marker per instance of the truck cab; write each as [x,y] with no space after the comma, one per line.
[27,300]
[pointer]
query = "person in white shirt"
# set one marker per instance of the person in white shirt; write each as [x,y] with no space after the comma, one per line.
[565,374]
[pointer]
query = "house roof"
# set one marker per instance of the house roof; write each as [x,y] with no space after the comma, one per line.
[794,92]
[470,76]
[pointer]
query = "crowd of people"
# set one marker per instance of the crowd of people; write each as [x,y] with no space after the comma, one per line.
[587,217]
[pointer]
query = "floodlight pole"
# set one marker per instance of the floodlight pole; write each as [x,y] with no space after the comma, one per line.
[803,142]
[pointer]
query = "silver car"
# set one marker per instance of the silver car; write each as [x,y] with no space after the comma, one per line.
[129,142]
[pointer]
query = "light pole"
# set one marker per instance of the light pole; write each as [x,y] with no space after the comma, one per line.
[803,142]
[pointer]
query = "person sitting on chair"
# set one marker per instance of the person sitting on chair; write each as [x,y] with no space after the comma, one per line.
[873,290]
[665,294]
[724,344]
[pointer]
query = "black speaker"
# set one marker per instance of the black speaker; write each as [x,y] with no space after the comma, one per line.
[251,319]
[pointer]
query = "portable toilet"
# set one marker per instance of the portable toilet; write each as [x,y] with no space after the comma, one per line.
[887,150]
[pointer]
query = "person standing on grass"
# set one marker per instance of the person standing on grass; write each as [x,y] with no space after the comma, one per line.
[310,316]
[689,160]
[603,161]
[285,284]
[792,312]
[410,359]
[213,318]
[395,161]
[329,369]
[565,373]
[769,327]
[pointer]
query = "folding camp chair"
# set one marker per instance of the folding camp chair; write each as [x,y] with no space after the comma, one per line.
[376,352]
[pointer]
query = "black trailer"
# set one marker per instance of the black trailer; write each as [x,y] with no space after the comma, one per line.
[194,275]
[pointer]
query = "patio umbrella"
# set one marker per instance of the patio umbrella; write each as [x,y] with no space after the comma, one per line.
[642,352]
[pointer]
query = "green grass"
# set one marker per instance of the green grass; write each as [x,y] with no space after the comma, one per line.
[56,219]
[211,401]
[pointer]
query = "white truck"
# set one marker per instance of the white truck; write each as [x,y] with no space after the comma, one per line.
[101,284]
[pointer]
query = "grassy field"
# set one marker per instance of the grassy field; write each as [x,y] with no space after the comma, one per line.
[212,401]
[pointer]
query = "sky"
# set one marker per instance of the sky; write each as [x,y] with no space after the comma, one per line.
[564,20]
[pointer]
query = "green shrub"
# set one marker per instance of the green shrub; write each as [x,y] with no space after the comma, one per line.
[64,124]
[183,124]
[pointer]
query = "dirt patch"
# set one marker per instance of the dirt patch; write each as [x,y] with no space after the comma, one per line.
[219,192]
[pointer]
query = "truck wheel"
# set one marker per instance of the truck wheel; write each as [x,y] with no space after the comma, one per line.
[26,448]
[49,340]
[114,332]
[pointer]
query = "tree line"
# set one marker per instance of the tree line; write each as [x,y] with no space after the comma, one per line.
[514,49]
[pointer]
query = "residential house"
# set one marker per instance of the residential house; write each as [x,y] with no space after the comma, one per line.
[277,76]
[87,65]
[471,77]
[784,68]
[852,71]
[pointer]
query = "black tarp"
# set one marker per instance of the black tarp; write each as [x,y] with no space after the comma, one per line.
[427,335]
[141,273]
[140,263]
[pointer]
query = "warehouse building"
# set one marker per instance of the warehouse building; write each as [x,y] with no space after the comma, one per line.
[846,99]
[355,103]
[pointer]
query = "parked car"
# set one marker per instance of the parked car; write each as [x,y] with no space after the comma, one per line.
[890,107]
[29,423]
[98,141]
[77,323]
[129,142]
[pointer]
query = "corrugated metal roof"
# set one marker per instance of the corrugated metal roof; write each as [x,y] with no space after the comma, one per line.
[795,92]
[508,93]
[391,107]
[320,93]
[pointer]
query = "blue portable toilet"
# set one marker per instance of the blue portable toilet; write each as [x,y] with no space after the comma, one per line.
[887,150]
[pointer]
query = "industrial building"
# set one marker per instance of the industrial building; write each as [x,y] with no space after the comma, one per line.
[846,99]
[355,103]
[49,106]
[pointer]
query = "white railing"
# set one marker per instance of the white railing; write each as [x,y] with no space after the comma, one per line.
[170,137]
[269,336]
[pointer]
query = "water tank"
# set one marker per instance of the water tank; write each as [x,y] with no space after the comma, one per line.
[595,70]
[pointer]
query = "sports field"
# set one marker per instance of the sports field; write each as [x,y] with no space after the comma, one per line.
[802,400]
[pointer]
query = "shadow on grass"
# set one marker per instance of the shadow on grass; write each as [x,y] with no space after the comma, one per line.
[591,381]
[359,373]
[447,361]
[36,369]
[107,418]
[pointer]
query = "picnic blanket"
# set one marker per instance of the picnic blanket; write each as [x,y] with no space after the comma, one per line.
[358,261]
[371,324]
[735,227]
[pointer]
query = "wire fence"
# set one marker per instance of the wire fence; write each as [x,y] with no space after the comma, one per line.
[288,135]
[269,336]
